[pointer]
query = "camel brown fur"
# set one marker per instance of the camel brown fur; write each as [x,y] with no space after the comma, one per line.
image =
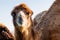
[22,22]
[49,26]
[5,33]
[38,17]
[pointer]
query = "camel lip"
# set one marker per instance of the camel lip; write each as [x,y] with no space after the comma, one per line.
[19,22]
[19,19]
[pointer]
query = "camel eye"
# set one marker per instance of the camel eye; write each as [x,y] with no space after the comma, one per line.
[27,13]
[13,14]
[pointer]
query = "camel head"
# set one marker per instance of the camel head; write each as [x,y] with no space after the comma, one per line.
[22,17]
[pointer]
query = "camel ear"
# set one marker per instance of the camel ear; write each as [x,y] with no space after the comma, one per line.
[31,13]
[13,14]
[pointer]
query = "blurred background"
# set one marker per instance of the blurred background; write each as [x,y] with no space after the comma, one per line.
[6,6]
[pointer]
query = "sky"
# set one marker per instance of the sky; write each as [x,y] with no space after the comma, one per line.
[6,6]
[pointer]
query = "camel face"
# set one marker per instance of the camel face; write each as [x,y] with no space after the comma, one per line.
[22,19]
[22,16]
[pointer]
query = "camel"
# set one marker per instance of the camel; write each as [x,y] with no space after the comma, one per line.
[5,33]
[50,23]
[38,17]
[22,22]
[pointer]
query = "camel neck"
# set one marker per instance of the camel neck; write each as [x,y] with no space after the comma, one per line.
[26,35]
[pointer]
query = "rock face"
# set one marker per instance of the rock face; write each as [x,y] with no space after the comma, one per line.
[49,26]
[5,33]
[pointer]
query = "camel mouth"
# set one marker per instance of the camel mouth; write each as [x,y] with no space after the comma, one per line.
[22,19]
[19,19]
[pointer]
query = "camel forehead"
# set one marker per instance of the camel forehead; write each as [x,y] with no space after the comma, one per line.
[21,7]
[21,13]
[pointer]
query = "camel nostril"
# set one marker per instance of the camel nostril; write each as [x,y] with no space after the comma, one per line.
[20,20]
